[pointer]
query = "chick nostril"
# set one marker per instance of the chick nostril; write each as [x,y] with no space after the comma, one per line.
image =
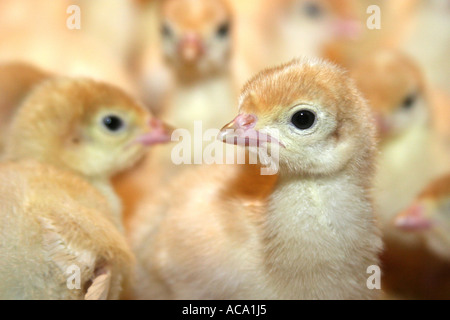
[246,121]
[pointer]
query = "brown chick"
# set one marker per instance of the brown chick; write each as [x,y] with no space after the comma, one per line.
[231,233]
[429,216]
[16,80]
[62,211]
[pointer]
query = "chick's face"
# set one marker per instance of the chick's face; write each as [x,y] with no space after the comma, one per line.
[196,34]
[88,127]
[310,23]
[394,88]
[105,141]
[312,111]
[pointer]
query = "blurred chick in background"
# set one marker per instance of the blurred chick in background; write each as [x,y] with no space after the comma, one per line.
[232,233]
[429,216]
[396,20]
[411,155]
[67,139]
[278,31]
[197,45]
[409,159]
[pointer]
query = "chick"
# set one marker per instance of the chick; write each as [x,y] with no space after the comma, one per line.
[429,216]
[54,224]
[85,127]
[196,43]
[395,22]
[279,31]
[59,213]
[308,233]
[398,95]
[16,80]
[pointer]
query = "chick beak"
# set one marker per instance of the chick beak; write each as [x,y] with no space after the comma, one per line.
[413,219]
[382,125]
[347,29]
[241,131]
[191,47]
[159,133]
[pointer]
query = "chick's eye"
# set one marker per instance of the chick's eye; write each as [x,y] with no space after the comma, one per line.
[166,31]
[303,119]
[223,30]
[113,123]
[408,102]
[312,10]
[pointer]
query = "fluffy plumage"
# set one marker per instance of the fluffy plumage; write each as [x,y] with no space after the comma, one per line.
[67,139]
[309,233]
[400,100]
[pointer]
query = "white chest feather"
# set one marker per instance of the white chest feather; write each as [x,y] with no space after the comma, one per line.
[210,101]
[317,228]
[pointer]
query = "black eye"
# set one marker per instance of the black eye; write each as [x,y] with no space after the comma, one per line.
[113,123]
[409,101]
[166,31]
[303,119]
[223,30]
[312,10]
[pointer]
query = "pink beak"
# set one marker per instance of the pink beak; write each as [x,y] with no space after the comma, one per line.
[413,219]
[347,29]
[241,132]
[191,47]
[382,125]
[159,133]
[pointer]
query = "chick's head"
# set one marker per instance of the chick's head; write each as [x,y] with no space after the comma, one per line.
[85,126]
[312,111]
[196,34]
[311,23]
[395,89]
[429,215]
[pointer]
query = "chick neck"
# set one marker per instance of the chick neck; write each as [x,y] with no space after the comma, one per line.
[104,186]
[315,226]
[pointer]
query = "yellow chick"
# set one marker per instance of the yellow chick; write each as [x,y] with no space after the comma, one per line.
[16,80]
[232,233]
[429,216]
[83,126]
[62,210]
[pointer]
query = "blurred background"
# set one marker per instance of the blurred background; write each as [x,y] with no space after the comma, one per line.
[187,59]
